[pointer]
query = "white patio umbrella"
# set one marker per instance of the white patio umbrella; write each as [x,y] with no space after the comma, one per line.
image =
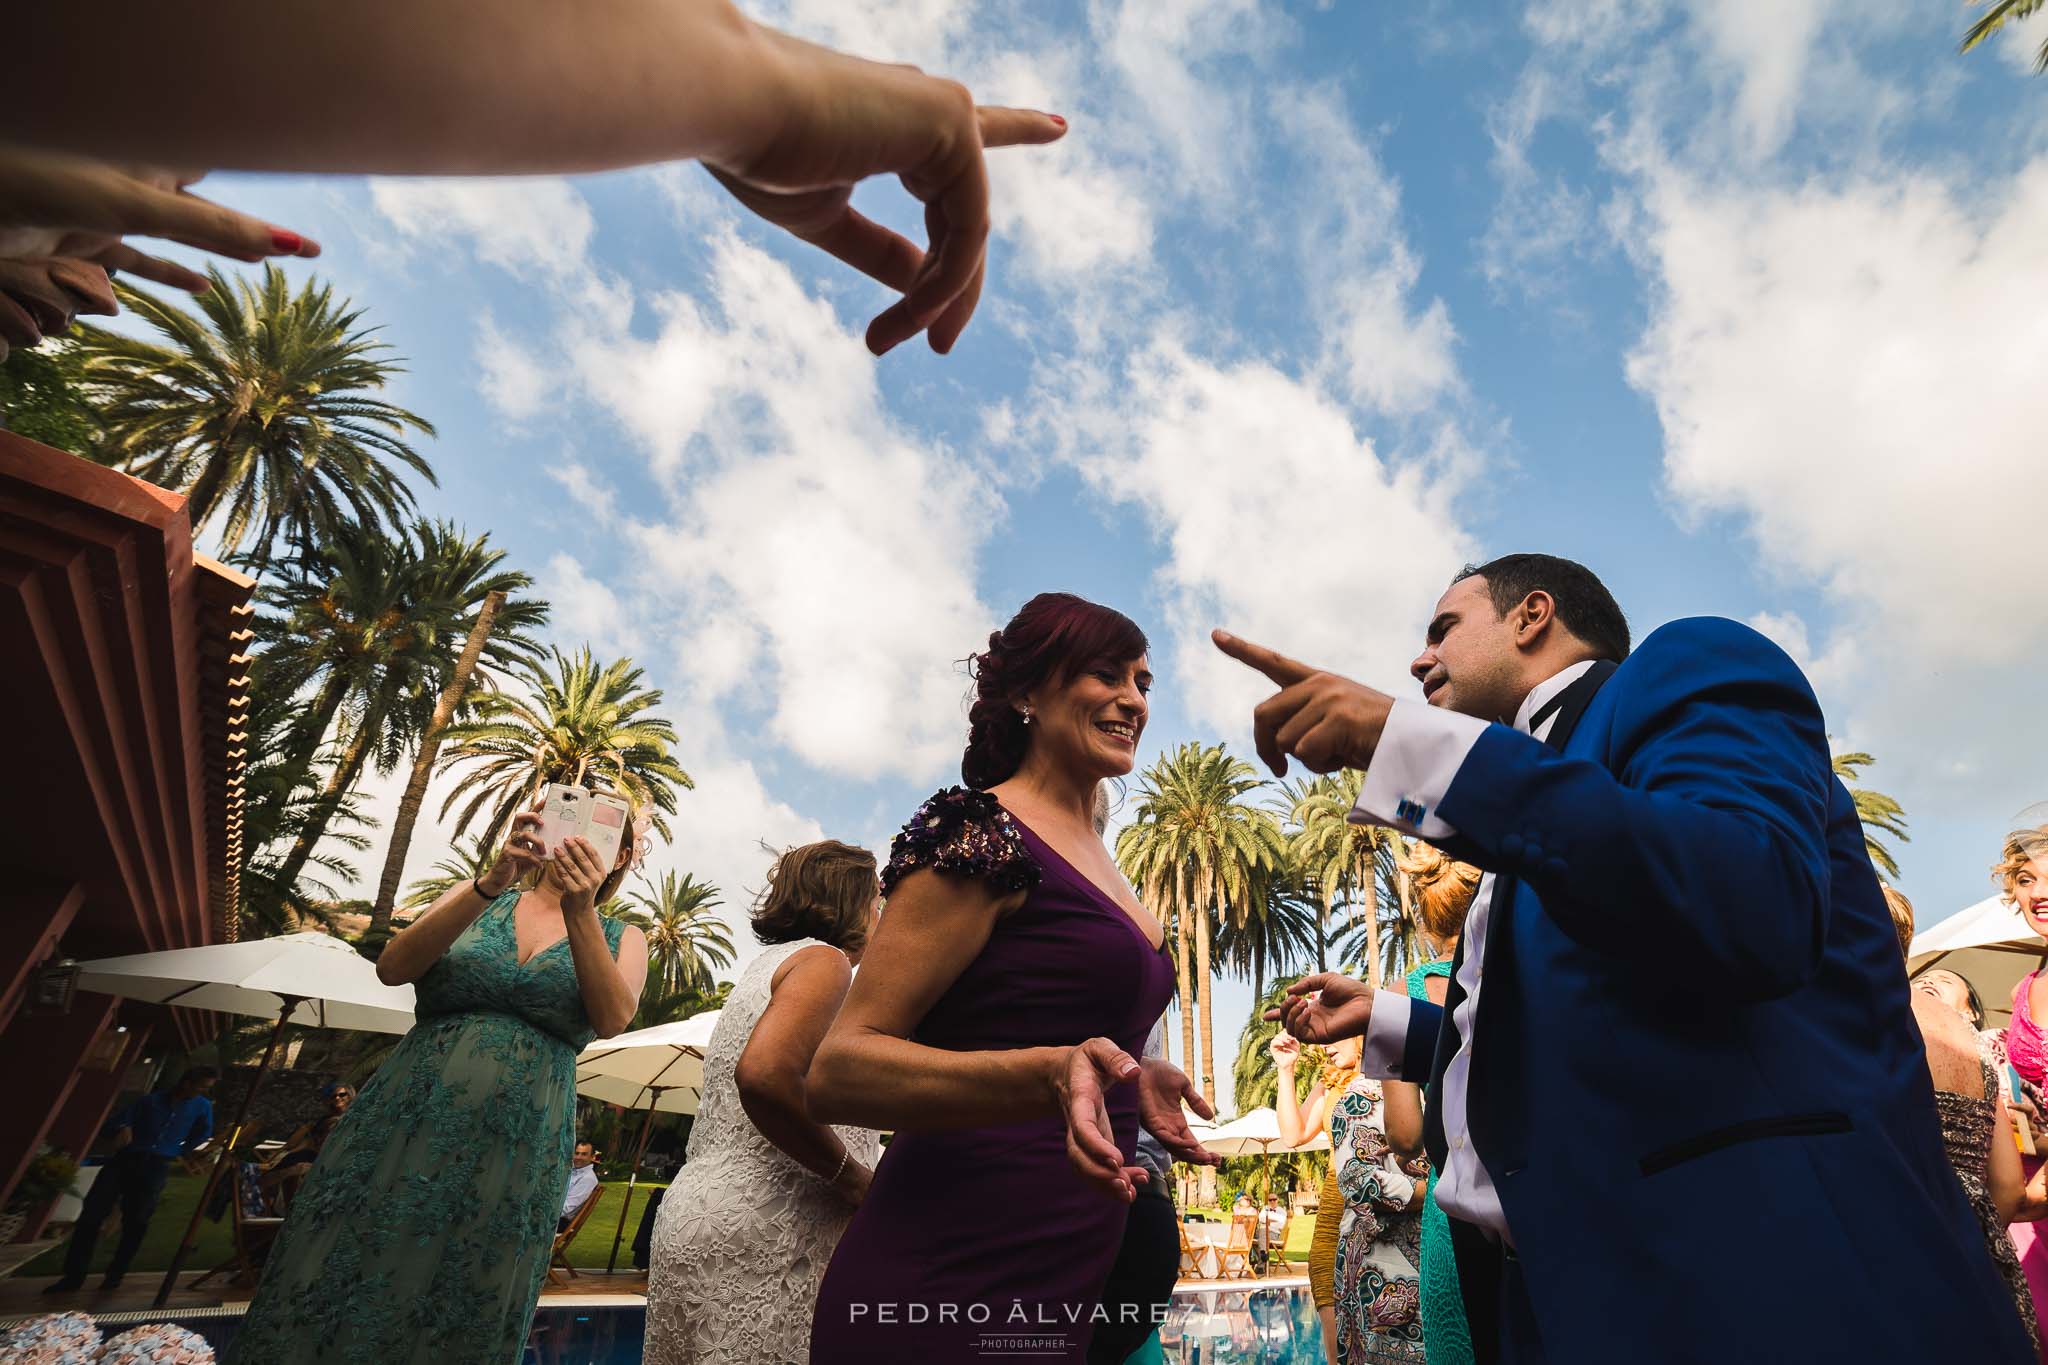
[1987,944]
[311,979]
[1258,1131]
[659,1069]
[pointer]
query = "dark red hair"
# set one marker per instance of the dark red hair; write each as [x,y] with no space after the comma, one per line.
[1054,636]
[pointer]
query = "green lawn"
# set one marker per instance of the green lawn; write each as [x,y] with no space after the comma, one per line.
[590,1249]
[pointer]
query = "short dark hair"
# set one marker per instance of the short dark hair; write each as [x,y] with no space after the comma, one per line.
[1584,605]
[823,891]
[198,1073]
[585,1142]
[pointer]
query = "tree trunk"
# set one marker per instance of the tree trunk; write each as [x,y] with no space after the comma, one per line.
[1185,984]
[339,783]
[319,716]
[1208,1078]
[423,763]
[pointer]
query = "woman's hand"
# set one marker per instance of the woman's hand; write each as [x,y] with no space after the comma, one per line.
[1286,1050]
[39,297]
[581,872]
[853,1183]
[1082,1079]
[58,205]
[522,854]
[845,119]
[1162,1089]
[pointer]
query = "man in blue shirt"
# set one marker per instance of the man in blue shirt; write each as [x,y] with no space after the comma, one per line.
[148,1135]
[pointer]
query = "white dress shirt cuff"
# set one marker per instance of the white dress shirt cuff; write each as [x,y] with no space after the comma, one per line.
[1420,752]
[1386,1037]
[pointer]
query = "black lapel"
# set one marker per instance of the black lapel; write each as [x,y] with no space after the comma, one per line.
[1572,702]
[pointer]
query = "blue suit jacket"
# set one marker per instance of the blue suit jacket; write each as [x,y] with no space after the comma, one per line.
[1697,1083]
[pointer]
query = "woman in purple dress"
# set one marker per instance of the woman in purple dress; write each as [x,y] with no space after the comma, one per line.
[997,1021]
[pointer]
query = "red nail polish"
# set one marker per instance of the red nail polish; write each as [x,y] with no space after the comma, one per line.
[288,242]
[1057,119]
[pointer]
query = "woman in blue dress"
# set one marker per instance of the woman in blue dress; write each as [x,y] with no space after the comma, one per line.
[423,1233]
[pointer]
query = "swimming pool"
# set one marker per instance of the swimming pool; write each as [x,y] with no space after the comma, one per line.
[1259,1325]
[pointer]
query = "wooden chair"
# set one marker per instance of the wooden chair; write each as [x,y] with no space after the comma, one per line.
[1190,1254]
[254,1230]
[1301,1236]
[558,1258]
[1236,1261]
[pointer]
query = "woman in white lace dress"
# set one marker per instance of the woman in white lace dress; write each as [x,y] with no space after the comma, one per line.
[746,1231]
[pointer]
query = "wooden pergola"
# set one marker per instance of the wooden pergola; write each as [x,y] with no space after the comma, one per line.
[124,689]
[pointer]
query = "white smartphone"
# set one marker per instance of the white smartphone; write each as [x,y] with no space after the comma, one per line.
[598,817]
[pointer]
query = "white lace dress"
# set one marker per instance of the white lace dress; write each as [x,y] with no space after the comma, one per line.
[745,1233]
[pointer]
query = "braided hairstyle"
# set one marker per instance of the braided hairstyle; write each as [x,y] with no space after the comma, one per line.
[1444,889]
[1054,636]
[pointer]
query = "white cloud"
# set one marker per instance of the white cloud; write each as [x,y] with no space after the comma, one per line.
[2020,42]
[535,227]
[512,376]
[586,610]
[818,557]
[1358,269]
[1850,371]
[1278,520]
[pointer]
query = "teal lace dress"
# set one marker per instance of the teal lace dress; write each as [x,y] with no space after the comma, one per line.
[423,1232]
[1445,1336]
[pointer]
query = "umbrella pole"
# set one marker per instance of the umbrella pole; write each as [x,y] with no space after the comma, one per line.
[632,1181]
[223,1155]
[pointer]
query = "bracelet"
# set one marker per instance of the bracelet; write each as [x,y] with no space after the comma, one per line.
[845,1155]
[476,885]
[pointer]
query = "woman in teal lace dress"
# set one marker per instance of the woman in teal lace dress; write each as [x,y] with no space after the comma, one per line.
[422,1234]
[1443,892]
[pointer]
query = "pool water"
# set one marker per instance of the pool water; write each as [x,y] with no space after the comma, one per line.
[1264,1325]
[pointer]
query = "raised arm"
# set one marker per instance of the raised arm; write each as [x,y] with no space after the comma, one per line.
[405,86]
[417,947]
[869,1072]
[804,997]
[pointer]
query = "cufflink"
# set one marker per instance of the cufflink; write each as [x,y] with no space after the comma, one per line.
[1410,812]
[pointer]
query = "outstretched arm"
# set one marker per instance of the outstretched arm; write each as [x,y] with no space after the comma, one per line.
[868,1071]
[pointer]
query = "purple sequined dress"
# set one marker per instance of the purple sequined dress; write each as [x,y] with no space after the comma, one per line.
[985,1241]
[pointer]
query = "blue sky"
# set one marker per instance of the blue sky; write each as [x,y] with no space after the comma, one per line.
[1739,302]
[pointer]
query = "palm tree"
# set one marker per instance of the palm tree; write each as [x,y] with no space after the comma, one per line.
[1995,18]
[279,797]
[261,410]
[581,720]
[462,581]
[1349,863]
[686,942]
[1197,850]
[465,862]
[371,629]
[1880,814]
[1278,933]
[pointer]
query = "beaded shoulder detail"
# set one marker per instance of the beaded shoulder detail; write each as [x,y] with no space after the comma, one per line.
[963,833]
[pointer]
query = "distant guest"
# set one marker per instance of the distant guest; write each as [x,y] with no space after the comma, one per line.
[582,1180]
[148,1136]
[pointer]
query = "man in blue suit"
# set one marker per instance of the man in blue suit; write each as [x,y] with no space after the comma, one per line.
[1676,1099]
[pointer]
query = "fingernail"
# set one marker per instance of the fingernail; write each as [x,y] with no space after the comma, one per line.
[286,241]
[1129,1071]
[1057,119]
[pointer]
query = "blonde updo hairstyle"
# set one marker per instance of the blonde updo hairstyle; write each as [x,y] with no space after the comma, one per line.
[1902,918]
[1444,888]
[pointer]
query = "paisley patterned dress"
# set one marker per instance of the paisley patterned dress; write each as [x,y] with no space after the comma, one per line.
[744,1233]
[422,1234]
[1379,1242]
